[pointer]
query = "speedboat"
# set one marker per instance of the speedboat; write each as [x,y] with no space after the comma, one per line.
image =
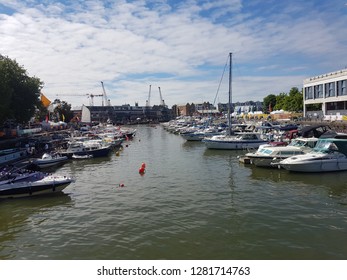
[22,183]
[268,155]
[239,141]
[49,160]
[329,154]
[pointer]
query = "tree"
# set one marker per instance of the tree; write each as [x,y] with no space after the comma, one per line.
[19,93]
[62,111]
[295,100]
[269,103]
[281,101]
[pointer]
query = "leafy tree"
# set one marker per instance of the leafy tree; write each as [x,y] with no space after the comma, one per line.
[292,102]
[62,111]
[269,103]
[19,93]
[295,100]
[281,101]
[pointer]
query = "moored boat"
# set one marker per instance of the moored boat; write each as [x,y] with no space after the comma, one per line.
[9,156]
[329,154]
[23,183]
[82,148]
[239,141]
[268,155]
[50,160]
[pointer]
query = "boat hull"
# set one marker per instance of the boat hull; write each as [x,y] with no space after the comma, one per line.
[232,145]
[103,152]
[50,163]
[10,156]
[263,161]
[324,165]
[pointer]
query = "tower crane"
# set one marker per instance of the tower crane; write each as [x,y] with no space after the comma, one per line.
[148,101]
[71,95]
[107,102]
[162,103]
[91,96]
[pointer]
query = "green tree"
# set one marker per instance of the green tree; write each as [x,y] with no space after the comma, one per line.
[19,93]
[281,101]
[62,111]
[295,100]
[269,103]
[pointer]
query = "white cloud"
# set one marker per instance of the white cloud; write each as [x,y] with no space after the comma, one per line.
[181,48]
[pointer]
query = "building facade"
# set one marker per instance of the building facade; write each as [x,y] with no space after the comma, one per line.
[325,96]
[125,114]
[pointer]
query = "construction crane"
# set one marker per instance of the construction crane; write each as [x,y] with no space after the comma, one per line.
[71,95]
[91,96]
[162,103]
[107,101]
[148,101]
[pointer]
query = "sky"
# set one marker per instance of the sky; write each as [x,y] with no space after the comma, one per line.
[136,46]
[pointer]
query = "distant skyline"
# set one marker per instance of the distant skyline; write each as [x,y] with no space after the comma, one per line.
[180,46]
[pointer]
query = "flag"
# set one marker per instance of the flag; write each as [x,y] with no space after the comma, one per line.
[63,117]
[45,101]
[47,118]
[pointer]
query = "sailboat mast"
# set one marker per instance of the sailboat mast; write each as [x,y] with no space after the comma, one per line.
[230,92]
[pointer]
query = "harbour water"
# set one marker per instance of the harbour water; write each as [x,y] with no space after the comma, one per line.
[192,203]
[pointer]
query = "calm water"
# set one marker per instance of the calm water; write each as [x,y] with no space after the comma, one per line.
[192,203]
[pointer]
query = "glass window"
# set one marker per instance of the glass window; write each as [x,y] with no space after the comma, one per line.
[318,91]
[341,87]
[330,89]
[309,93]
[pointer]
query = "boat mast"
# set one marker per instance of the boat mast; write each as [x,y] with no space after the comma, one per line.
[230,91]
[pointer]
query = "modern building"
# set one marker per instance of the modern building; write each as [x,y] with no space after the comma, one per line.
[325,96]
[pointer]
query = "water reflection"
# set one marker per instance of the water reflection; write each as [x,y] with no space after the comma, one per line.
[223,153]
[334,181]
[15,215]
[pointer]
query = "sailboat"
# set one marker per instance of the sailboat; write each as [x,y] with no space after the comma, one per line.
[231,140]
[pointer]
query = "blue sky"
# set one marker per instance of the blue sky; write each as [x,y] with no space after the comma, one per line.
[179,46]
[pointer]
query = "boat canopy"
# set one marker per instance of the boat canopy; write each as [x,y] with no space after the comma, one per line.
[330,145]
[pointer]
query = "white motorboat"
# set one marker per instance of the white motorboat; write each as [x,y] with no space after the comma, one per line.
[268,155]
[200,134]
[49,160]
[239,141]
[22,183]
[329,154]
